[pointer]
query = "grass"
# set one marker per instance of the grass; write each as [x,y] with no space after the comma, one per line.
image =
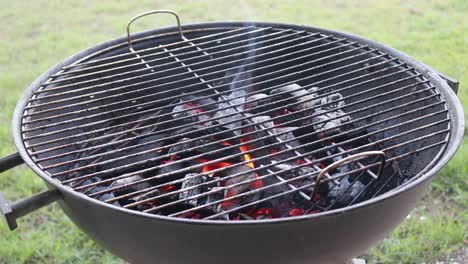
[36,34]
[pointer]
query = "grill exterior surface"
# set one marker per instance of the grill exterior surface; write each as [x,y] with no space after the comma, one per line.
[393,78]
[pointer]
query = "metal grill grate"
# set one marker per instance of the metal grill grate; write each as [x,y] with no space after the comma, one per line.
[110,118]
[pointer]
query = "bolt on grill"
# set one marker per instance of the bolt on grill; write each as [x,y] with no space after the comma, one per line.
[236,123]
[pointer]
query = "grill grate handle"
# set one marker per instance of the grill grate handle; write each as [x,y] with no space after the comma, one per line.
[129,38]
[20,208]
[347,160]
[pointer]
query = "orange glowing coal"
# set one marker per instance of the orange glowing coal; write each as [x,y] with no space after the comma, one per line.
[244,148]
[213,166]
[221,164]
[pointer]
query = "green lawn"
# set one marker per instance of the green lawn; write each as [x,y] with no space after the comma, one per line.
[36,34]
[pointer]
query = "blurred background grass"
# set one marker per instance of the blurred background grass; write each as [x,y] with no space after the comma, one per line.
[35,35]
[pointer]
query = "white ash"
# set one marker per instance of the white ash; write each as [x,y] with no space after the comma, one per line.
[229,113]
[246,174]
[99,188]
[344,193]
[192,179]
[329,121]
[216,195]
[333,100]
[304,97]
[285,134]
[256,100]
[329,117]
[129,180]
[188,113]
[325,110]
[264,121]
[288,172]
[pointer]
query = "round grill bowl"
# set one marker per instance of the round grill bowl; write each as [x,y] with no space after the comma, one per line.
[333,236]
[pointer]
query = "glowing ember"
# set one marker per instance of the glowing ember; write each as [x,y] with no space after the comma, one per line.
[226,205]
[296,212]
[261,212]
[167,188]
[244,148]
[213,166]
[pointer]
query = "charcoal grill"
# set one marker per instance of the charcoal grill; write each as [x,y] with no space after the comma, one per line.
[229,142]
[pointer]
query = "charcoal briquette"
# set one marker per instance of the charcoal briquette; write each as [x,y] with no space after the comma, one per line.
[246,174]
[216,195]
[345,192]
[191,180]
[188,113]
[129,180]
[329,121]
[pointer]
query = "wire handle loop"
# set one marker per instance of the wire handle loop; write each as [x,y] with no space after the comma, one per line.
[162,11]
[354,157]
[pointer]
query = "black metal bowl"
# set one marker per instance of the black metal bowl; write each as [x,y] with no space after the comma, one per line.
[334,236]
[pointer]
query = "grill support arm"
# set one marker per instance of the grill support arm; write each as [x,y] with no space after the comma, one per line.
[10,162]
[15,210]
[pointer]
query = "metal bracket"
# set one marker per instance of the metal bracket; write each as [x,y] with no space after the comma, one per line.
[450,81]
[7,212]
[15,210]
[25,206]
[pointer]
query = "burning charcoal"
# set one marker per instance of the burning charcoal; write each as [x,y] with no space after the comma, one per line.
[129,180]
[264,128]
[227,115]
[205,104]
[247,174]
[99,188]
[306,97]
[307,100]
[171,167]
[217,195]
[293,143]
[296,172]
[260,102]
[146,195]
[192,179]
[230,105]
[180,149]
[333,101]
[247,199]
[197,131]
[105,196]
[329,122]
[188,112]
[293,90]
[187,147]
[265,121]
[245,217]
[292,172]
[344,193]
[149,139]
[288,135]
[146,143]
